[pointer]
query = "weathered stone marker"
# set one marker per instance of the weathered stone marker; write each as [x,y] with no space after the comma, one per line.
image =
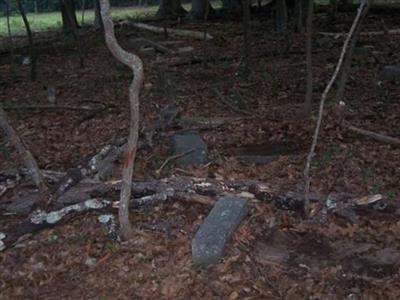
[391,72]
[193,145]
[209,242]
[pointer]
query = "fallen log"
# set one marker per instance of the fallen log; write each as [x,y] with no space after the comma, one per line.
[177,32]
[375,136]
[97,196]
[370,33]
[142,42]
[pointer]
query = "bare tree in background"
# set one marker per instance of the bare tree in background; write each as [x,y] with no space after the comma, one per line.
[32,51]
[246,29]
[29,160]
[10,38]
[136,64]
[71,16]
[309,91]
[98,23]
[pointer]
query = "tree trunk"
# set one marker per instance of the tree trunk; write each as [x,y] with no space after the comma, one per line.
[27,157]
[10,38]
[309,92]
[281,15]
[199,9]
[232,7]
[299,13]
[136,64]
[246,29]
[32,51]
[71,17]
[68,14]
[171,9]
[98,22]
[83,6]
[333,9]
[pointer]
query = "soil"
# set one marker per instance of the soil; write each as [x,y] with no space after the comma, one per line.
[275,254]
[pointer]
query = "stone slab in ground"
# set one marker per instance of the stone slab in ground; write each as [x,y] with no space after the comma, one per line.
[208,244]
[192,144]
[391,72]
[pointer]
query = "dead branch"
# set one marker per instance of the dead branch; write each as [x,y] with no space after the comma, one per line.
[361,8]
[157,46]
[177,32]
[86,197]
[25,154]
[368,33]
[51,107]
[158,171]
[41,220]
[222,100]
[375,136]
[136,64]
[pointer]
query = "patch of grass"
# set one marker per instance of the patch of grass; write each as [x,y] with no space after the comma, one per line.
[52,20]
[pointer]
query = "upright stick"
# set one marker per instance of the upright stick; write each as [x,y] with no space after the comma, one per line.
[136,64]
[363,5]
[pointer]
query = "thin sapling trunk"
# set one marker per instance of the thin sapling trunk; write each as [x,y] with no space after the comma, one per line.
[136,64]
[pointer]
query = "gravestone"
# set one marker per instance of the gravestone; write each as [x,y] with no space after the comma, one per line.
[193,145]
[209,242]
[391,72]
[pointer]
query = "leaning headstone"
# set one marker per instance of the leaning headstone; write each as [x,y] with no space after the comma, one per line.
[391,72]
[192,148]
[209,242]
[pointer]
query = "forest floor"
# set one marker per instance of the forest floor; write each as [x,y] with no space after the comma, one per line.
[275,254]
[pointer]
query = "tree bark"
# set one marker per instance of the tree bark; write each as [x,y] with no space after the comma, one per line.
[32,51]
[171,9]
[136,64]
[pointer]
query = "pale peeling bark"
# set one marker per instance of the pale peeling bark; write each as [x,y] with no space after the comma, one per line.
[26,155]
[136,64]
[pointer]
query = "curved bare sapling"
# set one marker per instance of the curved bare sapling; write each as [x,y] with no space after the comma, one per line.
[363,5]
[136,64]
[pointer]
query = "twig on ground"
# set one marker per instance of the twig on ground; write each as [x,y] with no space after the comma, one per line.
[177,32]
[158,171]
[222,99]
[50,107]
[384,32]
[157,46]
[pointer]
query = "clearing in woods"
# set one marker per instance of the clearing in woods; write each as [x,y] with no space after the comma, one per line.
[275,254]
